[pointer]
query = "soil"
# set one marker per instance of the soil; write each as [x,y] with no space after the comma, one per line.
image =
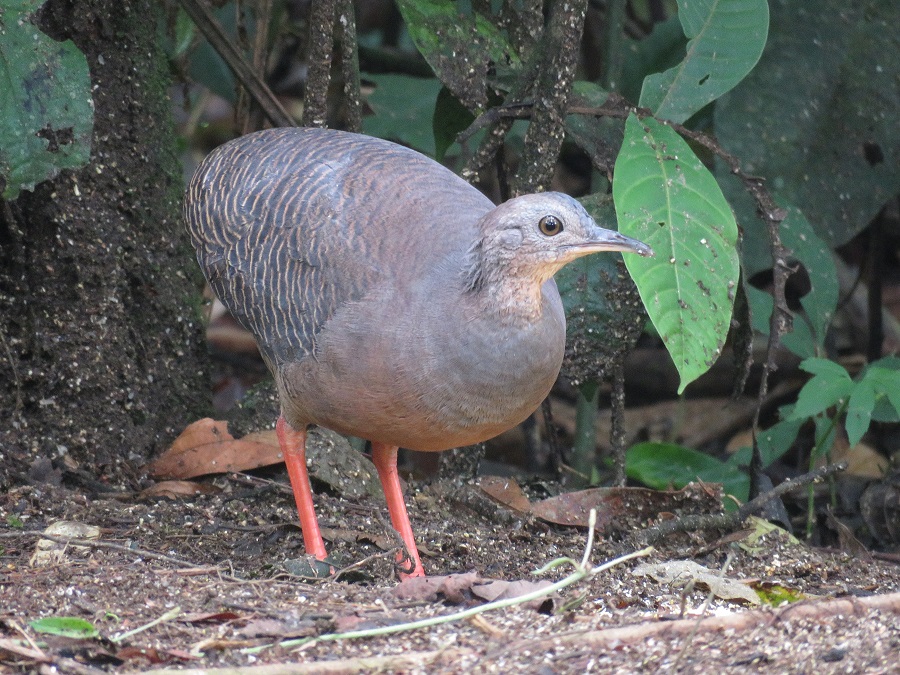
[227,571]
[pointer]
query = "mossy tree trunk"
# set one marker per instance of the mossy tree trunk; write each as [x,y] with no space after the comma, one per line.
[101,353]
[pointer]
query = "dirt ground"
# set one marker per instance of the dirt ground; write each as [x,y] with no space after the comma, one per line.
[223,560]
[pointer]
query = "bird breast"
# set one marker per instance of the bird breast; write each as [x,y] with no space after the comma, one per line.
[432,381]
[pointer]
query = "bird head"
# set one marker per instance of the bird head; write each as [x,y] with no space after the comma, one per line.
[533,236]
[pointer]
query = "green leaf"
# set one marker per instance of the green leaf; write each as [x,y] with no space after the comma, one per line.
[663,48]
[818,116]
[46,112]
[206,66]
[884,374]
[660,465]
[825,367]
[450,118]
[727,39]
[66,626]
[461,48]
[819,394]
[597,136]
[799,340]
[819,303]
[778,439]
[859,411]
[404,108]
[665,197]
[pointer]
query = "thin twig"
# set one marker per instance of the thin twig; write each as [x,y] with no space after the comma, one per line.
[728,521]
[581,572]
[87,543]
[168,616]
[706,603]
[199,13]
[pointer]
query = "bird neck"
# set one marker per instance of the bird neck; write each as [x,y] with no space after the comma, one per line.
[502,287]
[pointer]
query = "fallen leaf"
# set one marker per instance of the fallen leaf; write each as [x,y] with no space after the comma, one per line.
[206,447]
[678,573]
[623,508]
[452,586]
[503,590]
[47,552]
[65,626]
[458,589]
[209,617]
[506,491]
[173,489]
[273,628]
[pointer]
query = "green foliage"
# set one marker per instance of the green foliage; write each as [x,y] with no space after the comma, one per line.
[726,40]
[46,113]
[807,337]
[450,119]
[829,396]
[403,110]
[462,48]
[818,116]
[665,197]
[65,626]
[832,388]
[664,465]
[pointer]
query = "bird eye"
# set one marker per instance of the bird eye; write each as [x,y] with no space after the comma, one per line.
[550,225]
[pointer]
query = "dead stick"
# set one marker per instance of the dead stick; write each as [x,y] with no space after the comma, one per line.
[729,521]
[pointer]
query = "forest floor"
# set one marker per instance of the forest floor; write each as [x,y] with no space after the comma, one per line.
[204,582]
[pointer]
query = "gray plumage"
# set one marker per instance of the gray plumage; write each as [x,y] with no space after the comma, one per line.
[390,299]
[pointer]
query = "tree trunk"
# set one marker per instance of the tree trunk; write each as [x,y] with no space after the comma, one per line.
[101,347]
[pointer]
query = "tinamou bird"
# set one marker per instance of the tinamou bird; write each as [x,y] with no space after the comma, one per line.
[390,299]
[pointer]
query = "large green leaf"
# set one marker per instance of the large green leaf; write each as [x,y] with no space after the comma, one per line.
[818,116]
[661,465]
[462,48]
[46,113]
[404,108]
[665,197]
[726,40]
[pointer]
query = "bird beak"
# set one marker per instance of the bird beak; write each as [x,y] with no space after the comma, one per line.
[601,239]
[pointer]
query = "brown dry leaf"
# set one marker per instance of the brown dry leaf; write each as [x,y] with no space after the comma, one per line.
[502,590]
[461,588]
[616,507]
[173,489]
[274,628]
[862,460]
[209,617]
[206,447]
[626,508]
[505,491]
[453,587]
[384,542]
[201,432]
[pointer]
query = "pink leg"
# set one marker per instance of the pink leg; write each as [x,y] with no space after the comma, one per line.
[385,459]
[293,449]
